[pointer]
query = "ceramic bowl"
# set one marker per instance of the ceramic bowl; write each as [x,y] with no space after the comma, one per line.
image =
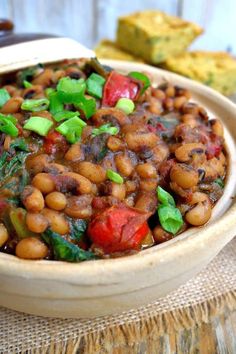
[102,287]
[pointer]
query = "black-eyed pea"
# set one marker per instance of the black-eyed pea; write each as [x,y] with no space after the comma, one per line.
[3,235]
[74,153]
[44,182]
[115,144]
[190,120]
[56,200]
[136,141]
[32,199]
[118,190]
[79,206]
[124,164]
[94,173]
[185,152]
[57,221]
[146,201]
[146,170]
[31,248]
[160,235]
[148,184]
[36,222]
[184,175]
[13,105]
[179,102]
[201,211]
[84,186]
[217,127]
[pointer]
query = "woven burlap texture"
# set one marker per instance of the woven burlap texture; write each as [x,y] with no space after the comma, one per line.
[210,293]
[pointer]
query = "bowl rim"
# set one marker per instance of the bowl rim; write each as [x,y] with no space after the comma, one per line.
[86,271]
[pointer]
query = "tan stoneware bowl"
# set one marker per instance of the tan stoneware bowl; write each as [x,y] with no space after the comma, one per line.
[102,287]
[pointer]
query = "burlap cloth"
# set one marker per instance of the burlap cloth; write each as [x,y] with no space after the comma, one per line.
[212,292]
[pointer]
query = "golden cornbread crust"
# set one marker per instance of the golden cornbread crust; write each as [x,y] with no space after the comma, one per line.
[107,49]
[215,69]
[154,35]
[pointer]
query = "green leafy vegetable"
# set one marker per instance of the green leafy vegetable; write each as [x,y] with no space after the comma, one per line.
[19,144]
[27,74]
[141,77]
[114,177]
[170,218]
[164,197]
[105,128]
[17,217]
[4,97]
[64,250]
[220,182]
[77,228]
[101,154]
[15,163]
[39,125]
[35,105]
[95,85]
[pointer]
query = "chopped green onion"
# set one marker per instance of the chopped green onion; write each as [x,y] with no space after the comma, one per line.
[141,77]
[87,106]
[170,218]
[114,177]
[27,84]
[35,105]
[48,91]
[55,104]
[95,85]
[164,197]
[19,144]
[4,97]
[72,129]
[63,115]
[7,125]
[105,128]
[220,182]
[39,125]
[70,90]
[126,105]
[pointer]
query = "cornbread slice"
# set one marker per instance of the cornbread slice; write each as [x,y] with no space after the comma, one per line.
[215,69]
[107,49]
[154,35]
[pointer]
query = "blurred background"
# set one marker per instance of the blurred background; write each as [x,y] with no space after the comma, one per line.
[88,21]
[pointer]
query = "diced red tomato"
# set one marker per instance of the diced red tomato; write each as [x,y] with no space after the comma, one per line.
[119,86]
[214,147]
[54,141]
[119,228]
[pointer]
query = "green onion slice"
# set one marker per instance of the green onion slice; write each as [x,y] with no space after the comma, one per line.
[114,177]
[27,84]
[55,104]
[170,218]
[95,85]
[220,182]
[35,105]
[126,105]
[72,129]
[70,90]
[105,128]
[164,197]
[39,125]
[63,115]
[141,77]
[4,97]
[7,125]
[87,106]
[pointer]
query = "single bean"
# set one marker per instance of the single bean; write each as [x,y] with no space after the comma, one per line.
[118,190]
[148,184]
[13,105]
[115,144]
[186,151]
[57,221]
[55,168]
[184,175]
[36,222]
[159,94]
[217,127]
[56,200]
[31,248]
[199,214]
[44,182]
[3,235]
[160,153]
[44,78]
[170,91]
[146,201]
[148,241]
[146,170]
[79,207]
[32,199]
[94,173]
[161,235]
[168,104]
[74,153]
[190,108]
[179,102]
[155,106]
[84,186]
[189,120]
[100,117]
[37,163]
[137,141]
[124,164]
[131,186]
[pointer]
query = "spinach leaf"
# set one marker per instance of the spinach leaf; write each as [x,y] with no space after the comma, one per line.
[19,144]
[220,182]
[64,250]
[77,228]
[15,164]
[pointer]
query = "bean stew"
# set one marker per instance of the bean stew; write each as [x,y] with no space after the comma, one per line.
[97,164]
